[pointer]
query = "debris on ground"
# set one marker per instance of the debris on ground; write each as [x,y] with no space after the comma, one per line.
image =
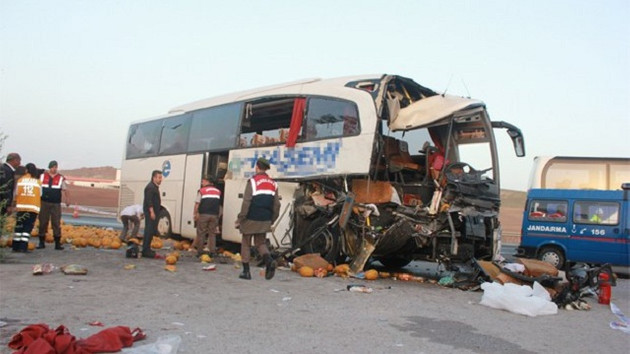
[624,322]
[40,269]
[39,338]
[521,299]
[359,288]
[74,269]
[567,289]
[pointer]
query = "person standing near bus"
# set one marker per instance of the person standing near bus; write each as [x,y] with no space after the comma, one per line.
[53,186]
[28,193]
[207,214]
[260,208]
[7,186]
[130,218]
[151,206]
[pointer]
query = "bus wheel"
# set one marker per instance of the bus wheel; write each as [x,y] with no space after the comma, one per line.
[164,229]
[552,255]
[326,240]
[394,261]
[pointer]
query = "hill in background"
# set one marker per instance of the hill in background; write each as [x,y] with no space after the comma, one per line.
[106,172]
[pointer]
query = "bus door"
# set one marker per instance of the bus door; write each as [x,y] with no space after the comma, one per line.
[192,182]
[598,232]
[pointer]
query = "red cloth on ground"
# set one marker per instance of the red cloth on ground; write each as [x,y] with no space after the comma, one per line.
[40,339]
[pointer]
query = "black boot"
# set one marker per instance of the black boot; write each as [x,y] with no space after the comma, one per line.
[245,273]
[42,244]
[58,245]
[24,247]
[270,266]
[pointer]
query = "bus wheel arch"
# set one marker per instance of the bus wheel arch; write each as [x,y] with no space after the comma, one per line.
[553,255]
[327,243]
[164,227]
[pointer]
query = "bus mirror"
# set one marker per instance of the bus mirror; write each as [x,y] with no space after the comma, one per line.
[516,136]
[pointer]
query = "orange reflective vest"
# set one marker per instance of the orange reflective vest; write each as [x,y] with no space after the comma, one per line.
[28,194]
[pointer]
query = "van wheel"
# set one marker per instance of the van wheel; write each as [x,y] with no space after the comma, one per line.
[552,255]
[164,229]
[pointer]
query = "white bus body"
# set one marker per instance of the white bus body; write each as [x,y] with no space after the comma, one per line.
[323,138]
[573,172]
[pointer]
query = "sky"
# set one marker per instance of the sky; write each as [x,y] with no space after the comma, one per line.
[74,74]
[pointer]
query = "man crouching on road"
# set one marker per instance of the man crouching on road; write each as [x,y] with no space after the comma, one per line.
[260,208]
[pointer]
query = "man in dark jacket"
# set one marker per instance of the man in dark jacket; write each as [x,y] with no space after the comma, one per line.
[260,208]
[151,207]
[7,183]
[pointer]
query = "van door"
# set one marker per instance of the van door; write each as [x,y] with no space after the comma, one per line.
[598,232]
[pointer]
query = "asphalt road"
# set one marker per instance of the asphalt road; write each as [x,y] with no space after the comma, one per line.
[215,312]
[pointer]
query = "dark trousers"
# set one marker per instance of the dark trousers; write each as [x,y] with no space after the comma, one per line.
[50,212]
[24,222]
[150,229]
[129,222]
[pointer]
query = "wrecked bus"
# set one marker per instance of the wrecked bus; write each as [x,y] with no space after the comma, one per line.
[368,166]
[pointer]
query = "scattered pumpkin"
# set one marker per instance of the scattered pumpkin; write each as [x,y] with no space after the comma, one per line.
[31,246]
[306,271]
[371,274]
[171,260]
[384,274]
[320,272]
[342,269]
[170,267]
[205,258]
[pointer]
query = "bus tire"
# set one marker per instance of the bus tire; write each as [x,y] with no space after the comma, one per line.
[164,229]
[326,243]
[552,255]
[394,262]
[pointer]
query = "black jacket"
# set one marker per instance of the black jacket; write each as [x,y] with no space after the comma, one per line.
[151,198]
[7,183]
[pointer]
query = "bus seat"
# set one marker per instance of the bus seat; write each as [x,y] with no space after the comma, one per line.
[282,135]
[258,140]
[397,153]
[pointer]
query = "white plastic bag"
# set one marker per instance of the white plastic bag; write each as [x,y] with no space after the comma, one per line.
[168,344]
[520,299]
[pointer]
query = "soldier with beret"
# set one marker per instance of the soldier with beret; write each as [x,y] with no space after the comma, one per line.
[54,186]
[260,208]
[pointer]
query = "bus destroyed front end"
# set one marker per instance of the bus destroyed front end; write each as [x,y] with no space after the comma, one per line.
[432,192]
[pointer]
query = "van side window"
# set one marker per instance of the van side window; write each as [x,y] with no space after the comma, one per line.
[595,212]
[548,210]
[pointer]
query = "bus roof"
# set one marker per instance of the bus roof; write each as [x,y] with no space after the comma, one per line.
[431,109]
[332,85]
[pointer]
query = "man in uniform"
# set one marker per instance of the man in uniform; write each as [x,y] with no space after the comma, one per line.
[207,214]
[151,207]
[53,186]
[7,183]
[260,208]
[28,200]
